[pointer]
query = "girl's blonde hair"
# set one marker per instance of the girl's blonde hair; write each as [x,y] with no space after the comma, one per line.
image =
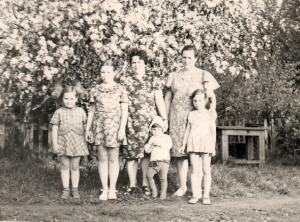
[201,92]
[69,89]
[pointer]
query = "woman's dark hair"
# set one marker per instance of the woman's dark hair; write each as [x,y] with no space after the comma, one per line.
[190,48]
[201,92]
[139,53]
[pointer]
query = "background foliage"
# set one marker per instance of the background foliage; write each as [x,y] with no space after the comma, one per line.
[251,46]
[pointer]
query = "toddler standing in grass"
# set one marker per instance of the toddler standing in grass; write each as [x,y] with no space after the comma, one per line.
[68,125]
[159,146]
[199,142]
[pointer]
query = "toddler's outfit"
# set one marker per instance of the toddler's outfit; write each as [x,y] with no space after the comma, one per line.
[159,146]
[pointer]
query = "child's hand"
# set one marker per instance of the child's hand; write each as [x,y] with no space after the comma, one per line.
[140,156]
[56,150]
[121,135]
[89,137]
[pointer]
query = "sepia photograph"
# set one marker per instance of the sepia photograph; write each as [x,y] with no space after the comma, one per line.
[149,110]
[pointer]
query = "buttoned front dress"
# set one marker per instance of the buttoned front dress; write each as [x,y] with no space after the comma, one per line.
[71,123]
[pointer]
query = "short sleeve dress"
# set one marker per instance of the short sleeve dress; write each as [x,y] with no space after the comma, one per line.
[142,109]
[106,104]
[70,122]
[200,139]
[182,86]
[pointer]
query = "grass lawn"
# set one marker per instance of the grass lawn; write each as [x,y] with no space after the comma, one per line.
[30,191]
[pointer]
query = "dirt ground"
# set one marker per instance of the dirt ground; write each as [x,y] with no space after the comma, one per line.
[280,208]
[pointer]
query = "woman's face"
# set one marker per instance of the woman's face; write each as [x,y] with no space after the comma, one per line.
[188,58]
[138,65]
[107,74]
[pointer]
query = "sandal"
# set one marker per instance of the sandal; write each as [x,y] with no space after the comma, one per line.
[146,190]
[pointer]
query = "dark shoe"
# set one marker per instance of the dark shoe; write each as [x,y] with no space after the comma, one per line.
[146,190]
[131,190]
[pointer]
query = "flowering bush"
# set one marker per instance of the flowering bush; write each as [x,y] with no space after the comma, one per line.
[50,41]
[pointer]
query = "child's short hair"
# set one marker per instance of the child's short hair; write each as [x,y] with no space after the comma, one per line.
[202,92]
[69,89]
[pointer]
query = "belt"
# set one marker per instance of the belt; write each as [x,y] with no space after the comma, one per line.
[155,162]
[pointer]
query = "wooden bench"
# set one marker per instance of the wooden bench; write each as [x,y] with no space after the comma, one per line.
[250,133]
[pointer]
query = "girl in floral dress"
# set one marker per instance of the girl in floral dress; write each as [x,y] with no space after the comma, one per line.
[68,125]
[145,100]
[180,87]
[107,117]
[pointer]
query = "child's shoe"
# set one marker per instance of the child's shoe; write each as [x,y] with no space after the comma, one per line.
[75,193]
[206,201]
[162,196]
[154,194]
[193,200]
[103,195]
[65,194]
[146,190]
[131,190]
[112,195]
[180,192]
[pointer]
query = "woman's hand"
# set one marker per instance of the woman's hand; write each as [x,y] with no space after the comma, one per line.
[181,149]
[121,134]
[166,124]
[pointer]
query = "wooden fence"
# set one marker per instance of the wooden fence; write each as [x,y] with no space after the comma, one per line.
[19,136]
[32,137]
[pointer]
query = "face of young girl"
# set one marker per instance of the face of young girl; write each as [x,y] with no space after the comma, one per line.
[69,99]
[138,65]
[188,58]
[199,101]
[107,74]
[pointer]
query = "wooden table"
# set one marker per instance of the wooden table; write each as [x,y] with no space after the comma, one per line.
[250,133]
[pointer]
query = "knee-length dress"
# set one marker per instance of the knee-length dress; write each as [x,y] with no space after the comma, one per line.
[106,104]
[70,122]
[182,86]
[200,139]
[142,109]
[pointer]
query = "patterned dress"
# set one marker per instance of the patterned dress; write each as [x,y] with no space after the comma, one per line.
[70,122]
[142,109]
[182,86]
[107,113]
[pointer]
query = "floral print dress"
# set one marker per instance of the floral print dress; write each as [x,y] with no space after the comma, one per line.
[106,104]
[182,86]
[141,110]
